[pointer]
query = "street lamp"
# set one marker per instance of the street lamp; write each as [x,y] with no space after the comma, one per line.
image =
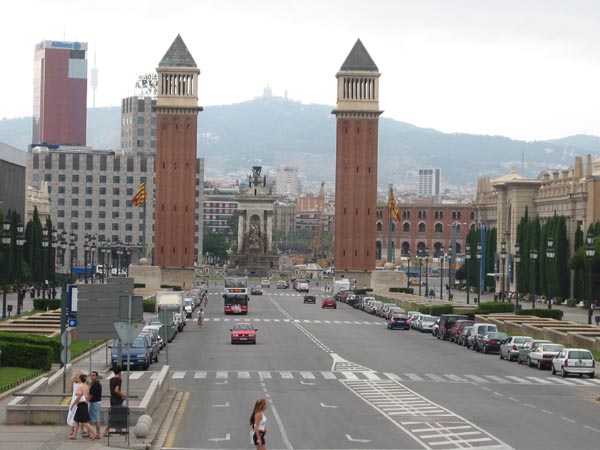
[119,255]
[467,263]
[45,244]
[54,245]
[72,247]
[517,259]
[426,272]
[93,253]
[450,280]
[533,254]
[127,259]
[480,273]
[550,256]
[442,258]
[503,260]
[590,252]
[407,273]
[5,244]
[86,249]
[420,258]
[20,243]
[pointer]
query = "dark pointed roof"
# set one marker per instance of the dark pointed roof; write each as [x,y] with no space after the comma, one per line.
[359,59]
[178,55]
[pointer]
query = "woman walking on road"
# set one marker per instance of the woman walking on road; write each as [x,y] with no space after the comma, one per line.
[200,317]
[82,416]
[258,424]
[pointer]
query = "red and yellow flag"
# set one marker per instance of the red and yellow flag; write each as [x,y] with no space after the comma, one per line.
[140,196]
[393,207]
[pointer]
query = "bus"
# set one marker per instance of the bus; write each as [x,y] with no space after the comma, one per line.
[235,297]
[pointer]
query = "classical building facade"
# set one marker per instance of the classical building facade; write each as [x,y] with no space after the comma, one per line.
[176,141]
[12,179]
[357,129]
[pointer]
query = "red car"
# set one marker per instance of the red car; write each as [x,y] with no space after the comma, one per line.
[329,303]
[243,332]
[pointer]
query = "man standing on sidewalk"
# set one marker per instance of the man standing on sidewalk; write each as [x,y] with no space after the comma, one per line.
[116,395]
[95,401]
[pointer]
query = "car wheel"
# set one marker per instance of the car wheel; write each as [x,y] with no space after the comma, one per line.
[539,365]
[592,375]
[563,372]
[552,369]
[501,355]
[485,349]
[529,361]
[232,342]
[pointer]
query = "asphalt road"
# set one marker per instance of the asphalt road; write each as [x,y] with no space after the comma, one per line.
[338,379]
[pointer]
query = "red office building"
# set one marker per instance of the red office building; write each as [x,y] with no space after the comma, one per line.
[357,116]
[60,93]
[176,128]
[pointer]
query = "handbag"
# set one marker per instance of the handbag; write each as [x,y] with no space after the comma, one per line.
[71,416]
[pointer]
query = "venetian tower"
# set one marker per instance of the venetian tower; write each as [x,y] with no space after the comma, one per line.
[176,134]
[357,116]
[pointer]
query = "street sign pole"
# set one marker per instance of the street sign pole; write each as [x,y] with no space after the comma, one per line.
[430,301]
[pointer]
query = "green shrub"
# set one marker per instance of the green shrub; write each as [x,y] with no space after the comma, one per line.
[363,291]
[403,290]
[539,312]
[149,305]
[437,310]
[558,300]
[33,339]
[494,307]
[26,355]
[168,286]
[43,304]
[139,285]
[571,302]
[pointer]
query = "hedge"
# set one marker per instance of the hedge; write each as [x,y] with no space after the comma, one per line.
[539,312]
[26,355]
[139,285]
[168,286]
[31,339]
[494,307]
[363,291]
[43,304]
[402,290]
[149,305]
[437,310]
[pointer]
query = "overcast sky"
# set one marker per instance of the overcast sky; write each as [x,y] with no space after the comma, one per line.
[526,69]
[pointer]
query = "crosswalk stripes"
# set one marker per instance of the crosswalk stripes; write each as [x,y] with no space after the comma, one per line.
[355,372]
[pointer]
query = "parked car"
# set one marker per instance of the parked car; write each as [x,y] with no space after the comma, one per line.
[353,300]
[527,347]
[140,356]
[243,332]
[310,299]
[373,306]
[169,330]
[282,284]
[384,310]
[491,341]
[256,290]
[479,329]
[398,320]
[574,361]
[188,307]
[463,337]
[265,284]
[413,316]
[329,303]
[542,354]
[394,310]
[457,328]
[154,343]
[156,329]
[447,321]
[510,348]
[426,323]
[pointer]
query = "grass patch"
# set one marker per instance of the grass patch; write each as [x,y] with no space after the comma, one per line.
[80,347]
[596,354]
[11,377]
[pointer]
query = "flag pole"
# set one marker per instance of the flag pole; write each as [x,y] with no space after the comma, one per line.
[390,256]
[144,230]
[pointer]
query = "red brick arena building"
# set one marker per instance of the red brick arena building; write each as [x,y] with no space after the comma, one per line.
[423,225]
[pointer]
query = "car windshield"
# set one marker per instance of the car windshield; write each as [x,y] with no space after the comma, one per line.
[520,340]
[428,319]
[497,336]
[242,327]
[552,348]
[154,320]
[399,316]
[578,354]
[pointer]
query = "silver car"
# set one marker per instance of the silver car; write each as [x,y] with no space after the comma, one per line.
[510,349]
[574,361]
[542,355]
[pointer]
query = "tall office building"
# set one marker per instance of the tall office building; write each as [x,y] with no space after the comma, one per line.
[286,181]
[357,120]
[177,130]
[429,182]
[138,125]
[60,93]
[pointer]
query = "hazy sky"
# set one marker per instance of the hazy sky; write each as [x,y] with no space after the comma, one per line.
[527,69]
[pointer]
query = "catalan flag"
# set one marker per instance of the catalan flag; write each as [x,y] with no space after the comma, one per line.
[140,196]
[393,207]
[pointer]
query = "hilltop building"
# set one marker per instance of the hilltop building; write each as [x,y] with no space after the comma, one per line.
[357,130]
[287,182]
[429,182]
[60,93]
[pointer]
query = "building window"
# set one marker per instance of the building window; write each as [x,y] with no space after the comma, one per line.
[102,203]
[140,132]
[88,202]
[129,191]
[75,178]
[102,226]
[74,213]
[48,177]
[379,226]
[129,215]
[141,120]
[103,163]
[128,227]
[89,178]
[74,202]
[116,179]
[88,226]
[102,178]
[406,214]
[61,189]
[48,162]
[61,202]
[87,214]
[422,227]
[102,191]
[439,228]
[89,162]
[61,213]
[74,226]
[472,215]
[101,214]
[117,164]
[406,227]
[116,191]
[115,227]
[129,180]
[115,203]
[140,143]
[89,190]
[75,162]
[62,158]
[62,178]
[115,214]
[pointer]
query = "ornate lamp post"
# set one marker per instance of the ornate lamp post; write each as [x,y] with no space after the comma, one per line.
[119,260]
[442,260]
[86,250]
[72,247]
[480,273]
[467,262]
[408,272]
[550,257]
[517,259]
[127,259]
[5,244]
[590,252]
[92,254]
[54,245]
[45,244]
[420,258]
[426,272]
[533,254]
[450,280]
[20,243]
[503,260]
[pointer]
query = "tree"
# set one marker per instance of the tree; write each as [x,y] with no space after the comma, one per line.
[216,245]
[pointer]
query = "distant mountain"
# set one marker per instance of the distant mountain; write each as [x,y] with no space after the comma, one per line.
[268,131]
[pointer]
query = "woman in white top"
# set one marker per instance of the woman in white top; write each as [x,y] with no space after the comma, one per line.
[258,424]
[71,416]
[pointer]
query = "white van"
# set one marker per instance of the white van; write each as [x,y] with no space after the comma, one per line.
[479,329]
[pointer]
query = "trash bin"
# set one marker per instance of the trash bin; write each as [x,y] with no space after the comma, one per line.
[450,297]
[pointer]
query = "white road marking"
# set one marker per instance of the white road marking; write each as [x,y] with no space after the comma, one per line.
[393,376]
[329,375]
[476,379]
[498,379]
[222,374]
[286,375]
[200,374]
[547,412]
[226,438]
[434,377]
[568,419]
[561,381]
[518,379]
[264,375]
[224,405]
[530,405]
[414,377]
[307,375]
[455,378]
[243,374]
[178,375]
[539,380]
[350,376]
[371,376]
[328,406]
[583,382]
[351,439]
[591,428]
[135,375]
[154,376]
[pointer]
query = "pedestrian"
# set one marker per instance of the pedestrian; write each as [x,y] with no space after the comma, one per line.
[258,424]
[95,400]
[116,395]
[53,292]
[31,292]
[71,415]
[82,416]
[200,317]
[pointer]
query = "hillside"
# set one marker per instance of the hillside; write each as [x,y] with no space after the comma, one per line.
[269,131]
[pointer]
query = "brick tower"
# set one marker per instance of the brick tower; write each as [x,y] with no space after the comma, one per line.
[176,134]
[357,115]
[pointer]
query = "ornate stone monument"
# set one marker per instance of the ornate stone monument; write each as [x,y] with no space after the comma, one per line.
[255,229]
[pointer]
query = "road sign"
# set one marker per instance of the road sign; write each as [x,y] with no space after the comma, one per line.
[65,355]
[73,323]
[430,299]
[127,333]
[65,339]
